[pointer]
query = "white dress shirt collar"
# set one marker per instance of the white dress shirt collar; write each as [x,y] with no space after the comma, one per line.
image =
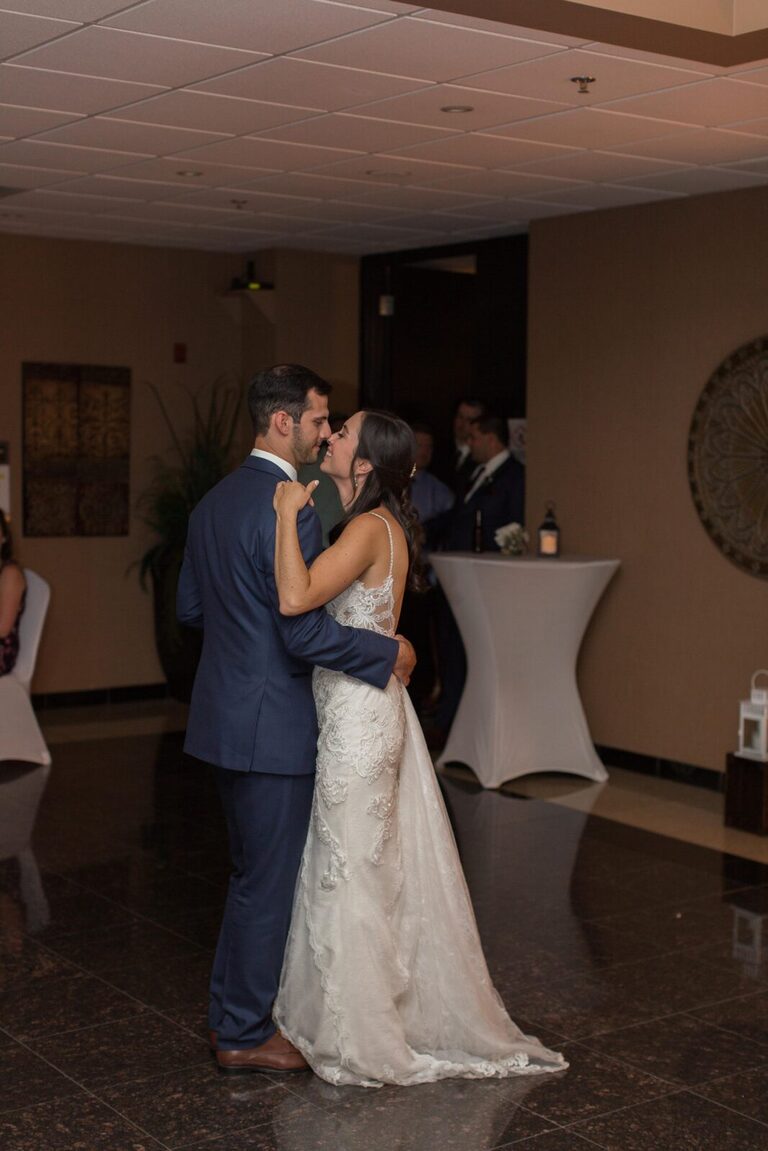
[289,469]
[485,471]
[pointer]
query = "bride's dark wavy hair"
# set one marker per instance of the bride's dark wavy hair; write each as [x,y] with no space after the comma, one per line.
[389,446]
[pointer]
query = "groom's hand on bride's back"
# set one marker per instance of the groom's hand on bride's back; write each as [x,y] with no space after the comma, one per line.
[406,660]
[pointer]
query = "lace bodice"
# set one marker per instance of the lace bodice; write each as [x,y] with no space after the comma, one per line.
[372,608]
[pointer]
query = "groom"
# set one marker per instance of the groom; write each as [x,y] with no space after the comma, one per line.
[252,713]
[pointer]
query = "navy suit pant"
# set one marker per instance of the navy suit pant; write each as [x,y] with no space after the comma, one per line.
[267,819]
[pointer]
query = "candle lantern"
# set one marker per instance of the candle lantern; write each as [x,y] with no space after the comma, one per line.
[753,720]
[549,534]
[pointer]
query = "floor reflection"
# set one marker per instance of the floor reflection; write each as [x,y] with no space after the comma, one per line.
[643,958]
[21,789]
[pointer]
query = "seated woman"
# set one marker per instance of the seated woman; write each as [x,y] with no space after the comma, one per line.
[13,589]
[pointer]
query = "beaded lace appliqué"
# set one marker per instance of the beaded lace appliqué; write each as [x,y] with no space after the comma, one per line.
[370,746]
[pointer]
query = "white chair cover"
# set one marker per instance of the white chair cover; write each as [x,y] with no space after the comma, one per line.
[31,627]
[20,735]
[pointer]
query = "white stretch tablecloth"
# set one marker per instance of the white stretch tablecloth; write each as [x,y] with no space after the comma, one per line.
[522,622]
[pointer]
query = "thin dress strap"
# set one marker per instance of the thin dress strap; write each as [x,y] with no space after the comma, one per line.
[385,521]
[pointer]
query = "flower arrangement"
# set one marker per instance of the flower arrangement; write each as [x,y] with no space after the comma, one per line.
[512,539]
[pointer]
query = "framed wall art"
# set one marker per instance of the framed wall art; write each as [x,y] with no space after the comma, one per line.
[76,450]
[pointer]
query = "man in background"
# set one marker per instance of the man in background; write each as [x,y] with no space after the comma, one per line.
[456,465]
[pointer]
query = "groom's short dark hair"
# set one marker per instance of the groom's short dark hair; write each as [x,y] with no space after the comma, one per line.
[282,388]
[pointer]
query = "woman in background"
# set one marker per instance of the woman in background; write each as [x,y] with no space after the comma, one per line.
[13,589]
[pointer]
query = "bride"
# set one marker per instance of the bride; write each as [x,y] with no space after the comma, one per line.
[384,979]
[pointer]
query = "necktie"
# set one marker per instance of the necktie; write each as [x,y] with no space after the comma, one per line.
[476,481]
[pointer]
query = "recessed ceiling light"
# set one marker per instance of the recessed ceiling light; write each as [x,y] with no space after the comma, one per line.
[583,84]
[190,172]
[457,108]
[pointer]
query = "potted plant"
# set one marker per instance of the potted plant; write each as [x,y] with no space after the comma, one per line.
[201,457]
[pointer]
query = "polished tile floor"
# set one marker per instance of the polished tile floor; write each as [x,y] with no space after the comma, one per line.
[639,955]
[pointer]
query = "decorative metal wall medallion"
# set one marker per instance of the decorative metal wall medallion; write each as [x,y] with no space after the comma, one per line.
[728,457]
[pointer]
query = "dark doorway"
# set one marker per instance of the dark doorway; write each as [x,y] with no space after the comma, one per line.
[442,323]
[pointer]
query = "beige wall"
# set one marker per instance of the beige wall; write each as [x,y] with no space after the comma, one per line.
[630,312]
[73,302]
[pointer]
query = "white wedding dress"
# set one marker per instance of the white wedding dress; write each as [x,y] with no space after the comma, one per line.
[384,979]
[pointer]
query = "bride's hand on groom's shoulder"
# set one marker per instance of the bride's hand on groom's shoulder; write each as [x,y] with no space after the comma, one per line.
[291,496]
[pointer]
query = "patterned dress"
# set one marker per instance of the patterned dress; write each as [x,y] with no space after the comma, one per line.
[384,979]
[9,644]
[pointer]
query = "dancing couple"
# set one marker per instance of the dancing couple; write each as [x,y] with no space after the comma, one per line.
[348,944]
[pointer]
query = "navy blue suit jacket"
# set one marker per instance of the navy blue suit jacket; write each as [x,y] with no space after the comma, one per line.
[252,707]
[501,499]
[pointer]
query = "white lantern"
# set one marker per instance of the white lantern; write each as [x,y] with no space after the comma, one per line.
[753,721]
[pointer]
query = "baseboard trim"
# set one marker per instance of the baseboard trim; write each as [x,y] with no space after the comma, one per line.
[100,695]
[705,777]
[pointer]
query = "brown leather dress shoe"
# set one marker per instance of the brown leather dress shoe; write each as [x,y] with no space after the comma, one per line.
[277,1055]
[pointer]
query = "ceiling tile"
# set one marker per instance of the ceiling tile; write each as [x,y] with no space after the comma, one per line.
[126,136]
[755,127]
[322,86]
[222,114]
[383,169]
[697,181]
[542,210]
[589,128]
[17,176]
[175,211]
[351,212]
[57,200]
[483,151]
[26,121]
[377,232]
[505,184]
[120,187]
[241,198]
[598,166]
[256,152]
[60,157]
[603,196]
[393,6]
[754,75]
[550,78]
[655,58]
[702,146]
[354,132]
[499,28]
[287,206]
[256,25]
[19,32]
[758,166]
[84,10]
[116,55]
[171,170]
[709,103]
[417,199]
[491,212]
[437,222]
[59,92]
[424,51]
[488,109]
[312,184]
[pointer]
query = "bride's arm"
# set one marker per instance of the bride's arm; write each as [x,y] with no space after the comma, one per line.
[300,589]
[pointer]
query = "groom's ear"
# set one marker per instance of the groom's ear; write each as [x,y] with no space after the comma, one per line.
[282,422]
